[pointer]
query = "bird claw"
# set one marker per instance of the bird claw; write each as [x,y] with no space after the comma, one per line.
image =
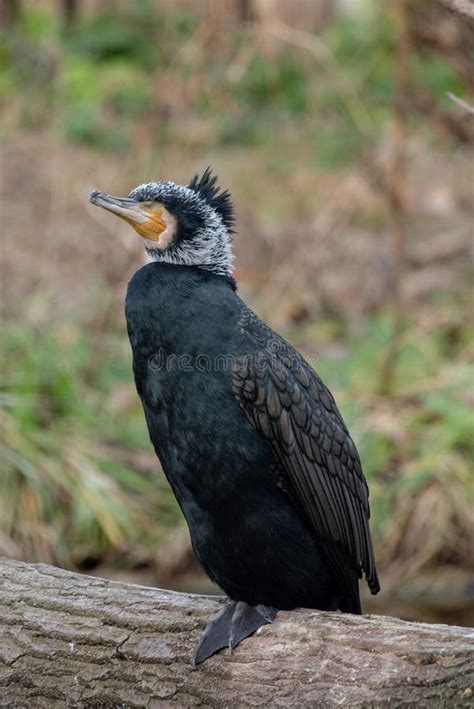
[235,622]
[246,620]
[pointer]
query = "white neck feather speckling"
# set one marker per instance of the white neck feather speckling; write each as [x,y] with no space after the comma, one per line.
[209,248]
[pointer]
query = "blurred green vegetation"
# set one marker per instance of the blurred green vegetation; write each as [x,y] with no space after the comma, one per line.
[107,72]
[67,494]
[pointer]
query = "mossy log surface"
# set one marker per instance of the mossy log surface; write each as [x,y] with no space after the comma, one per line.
[73,640]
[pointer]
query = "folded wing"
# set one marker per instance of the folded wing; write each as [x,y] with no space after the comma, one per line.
[290,406]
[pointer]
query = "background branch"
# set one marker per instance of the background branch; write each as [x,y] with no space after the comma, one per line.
[461,7]
[461,103]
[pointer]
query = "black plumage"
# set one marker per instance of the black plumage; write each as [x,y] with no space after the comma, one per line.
[250,439]
[207,188]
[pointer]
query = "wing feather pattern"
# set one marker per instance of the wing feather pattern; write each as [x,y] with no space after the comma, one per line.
[286,401]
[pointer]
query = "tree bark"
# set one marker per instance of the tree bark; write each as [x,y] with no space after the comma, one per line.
[72,640]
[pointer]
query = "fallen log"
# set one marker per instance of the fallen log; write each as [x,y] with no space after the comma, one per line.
[73,640]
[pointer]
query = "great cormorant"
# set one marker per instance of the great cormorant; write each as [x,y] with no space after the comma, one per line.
[250,439]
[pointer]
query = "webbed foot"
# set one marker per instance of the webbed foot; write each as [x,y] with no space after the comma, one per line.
[235,622]
[215,635]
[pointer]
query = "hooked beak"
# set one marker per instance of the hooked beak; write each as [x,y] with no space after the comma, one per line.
[148,221]
[124,207]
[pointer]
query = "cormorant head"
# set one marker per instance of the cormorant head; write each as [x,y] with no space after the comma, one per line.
[189,226]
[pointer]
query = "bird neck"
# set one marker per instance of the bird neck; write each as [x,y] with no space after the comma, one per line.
[209,249]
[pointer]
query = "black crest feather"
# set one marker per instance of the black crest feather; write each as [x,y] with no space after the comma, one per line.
[207,188]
